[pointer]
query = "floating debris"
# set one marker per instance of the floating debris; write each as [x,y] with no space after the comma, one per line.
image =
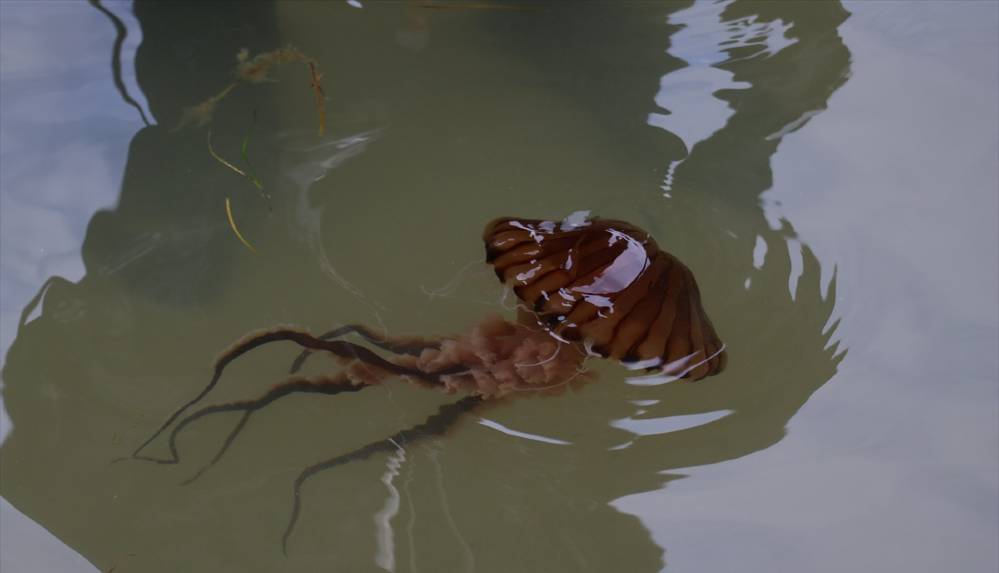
[221,159]
[254,70]
[201,114]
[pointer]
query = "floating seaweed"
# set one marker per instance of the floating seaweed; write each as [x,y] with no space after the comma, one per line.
[317,87]
[220,159]
[253,70]
[256,70]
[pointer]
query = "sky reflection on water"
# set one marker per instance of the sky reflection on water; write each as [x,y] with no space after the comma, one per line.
[892,466]
[63,144]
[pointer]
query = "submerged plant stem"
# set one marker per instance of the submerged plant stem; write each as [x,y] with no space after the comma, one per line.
[244,153]
[317,87]
[221,160]
[232,225]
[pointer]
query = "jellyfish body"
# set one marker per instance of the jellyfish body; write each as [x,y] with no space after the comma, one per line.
[600,285]
[608,284]
[500,358]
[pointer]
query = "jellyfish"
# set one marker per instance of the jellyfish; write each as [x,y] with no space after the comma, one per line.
[587,288]
[607,284]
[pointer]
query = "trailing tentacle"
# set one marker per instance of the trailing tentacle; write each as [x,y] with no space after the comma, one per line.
[397,345]
[338,347]
[437,424]
[225,446]
[331,386]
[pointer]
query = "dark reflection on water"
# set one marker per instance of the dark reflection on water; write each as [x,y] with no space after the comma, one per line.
[474,114]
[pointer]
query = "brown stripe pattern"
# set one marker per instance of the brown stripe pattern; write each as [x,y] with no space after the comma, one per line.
[608,284]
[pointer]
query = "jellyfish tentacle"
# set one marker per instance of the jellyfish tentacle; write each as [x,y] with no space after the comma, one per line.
[225,447]
[234,352]
[338,347]
[353,351]
[436,424]
[336,385]
[330,386]
[398,345]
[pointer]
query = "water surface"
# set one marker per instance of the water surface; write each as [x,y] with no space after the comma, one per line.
[827,171]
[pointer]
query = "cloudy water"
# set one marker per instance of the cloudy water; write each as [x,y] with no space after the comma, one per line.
[175,176]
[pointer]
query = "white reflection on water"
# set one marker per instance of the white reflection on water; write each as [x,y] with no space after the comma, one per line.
[901,175]
[687,94]
[384,534]
[693,113]
[518,434]
[64,139]
[306,162]
[665,425]
[63,146]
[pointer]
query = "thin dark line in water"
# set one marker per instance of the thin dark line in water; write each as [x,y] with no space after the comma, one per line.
[436,425]
[122,32]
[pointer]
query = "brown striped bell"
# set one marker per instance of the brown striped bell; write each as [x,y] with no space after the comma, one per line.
[608,284]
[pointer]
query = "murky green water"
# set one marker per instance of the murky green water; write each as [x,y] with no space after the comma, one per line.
[827,171]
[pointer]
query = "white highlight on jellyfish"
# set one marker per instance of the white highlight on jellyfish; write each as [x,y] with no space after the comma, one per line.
[661,377]
[544,361]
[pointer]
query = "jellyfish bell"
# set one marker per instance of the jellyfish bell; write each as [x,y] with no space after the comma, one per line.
[608,285]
